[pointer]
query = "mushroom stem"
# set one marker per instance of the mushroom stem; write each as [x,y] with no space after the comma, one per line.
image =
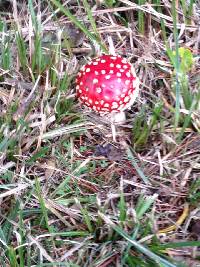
[113,128]
[116,119]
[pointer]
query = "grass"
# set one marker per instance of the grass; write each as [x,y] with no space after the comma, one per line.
[63,204]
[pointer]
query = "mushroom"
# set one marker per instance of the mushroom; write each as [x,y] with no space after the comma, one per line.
[108,85]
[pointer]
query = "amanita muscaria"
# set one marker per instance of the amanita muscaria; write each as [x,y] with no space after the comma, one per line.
[107,85]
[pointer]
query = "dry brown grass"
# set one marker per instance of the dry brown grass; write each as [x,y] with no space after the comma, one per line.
[58,173]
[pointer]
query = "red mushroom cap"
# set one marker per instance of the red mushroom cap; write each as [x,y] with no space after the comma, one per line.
[107,84]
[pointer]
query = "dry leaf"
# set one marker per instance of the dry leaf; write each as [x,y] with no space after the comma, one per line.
[50,168]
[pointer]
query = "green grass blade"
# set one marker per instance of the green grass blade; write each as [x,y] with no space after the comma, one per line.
[141,20]
[7,227]
[73,19]
[135,165]
[122,206]
[187,121]
[143,204]
[32,12]
[21,232]
[145,250]
[42,204]
[177,65]
[190,9]
[22,53]
[5,53]
[12,257]
[91,19]
[176,245]
[86,217]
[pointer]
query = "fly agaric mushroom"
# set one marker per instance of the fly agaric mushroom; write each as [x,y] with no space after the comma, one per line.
[107,85]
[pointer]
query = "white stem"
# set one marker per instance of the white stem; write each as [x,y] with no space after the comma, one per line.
[113,128]
[118,118]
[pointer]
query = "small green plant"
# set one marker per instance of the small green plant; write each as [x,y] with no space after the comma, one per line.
[188,100]
[144,125]
[186,62]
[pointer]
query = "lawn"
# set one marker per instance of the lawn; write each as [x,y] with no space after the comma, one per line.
[72,193]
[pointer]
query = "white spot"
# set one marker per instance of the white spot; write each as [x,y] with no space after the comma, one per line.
[95,81]
[94,107]
[121,70]
[103,71]
[119,80]
[127,82]
[88,70]
[124,90]
[80,91]
[107,97]
[106,105]
[113,57]
[107,77]
[120,102]
[95,63]
[128,74]
[77,87]
[90,101]
[112,86]
[98,90]
[129,92]
[105,109]
[81,83]
[124,61]
[112,65]
[111,71]
[115,105]
[83,68]
[86,98]
[98,59]
[96,102]
[119,74]
[102,102]
[103,61]
[118,66]
[125,67]
[86,89]
[103,85]
[98,108]
[126,99]
[96,72]
[122,95]
[79,74]
[103,113]
[82,97]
